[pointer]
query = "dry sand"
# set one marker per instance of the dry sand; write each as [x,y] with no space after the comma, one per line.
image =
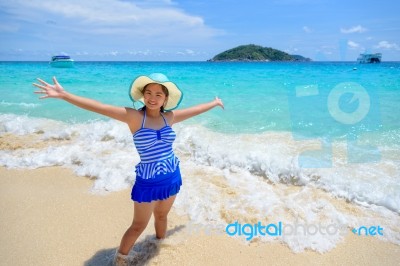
[49,217]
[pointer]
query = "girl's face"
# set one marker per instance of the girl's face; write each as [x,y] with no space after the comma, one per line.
[154,96]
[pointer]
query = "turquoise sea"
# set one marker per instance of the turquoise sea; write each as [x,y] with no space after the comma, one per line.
[289,131]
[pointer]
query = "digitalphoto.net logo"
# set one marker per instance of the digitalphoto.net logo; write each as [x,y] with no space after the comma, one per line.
[368,230]
[283,229]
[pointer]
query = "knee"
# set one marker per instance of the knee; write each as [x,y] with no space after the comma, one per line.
[137,227]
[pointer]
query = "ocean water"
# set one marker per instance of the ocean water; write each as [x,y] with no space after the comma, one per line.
[294,139]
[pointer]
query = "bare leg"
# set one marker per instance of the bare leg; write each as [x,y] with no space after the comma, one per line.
[141,217]
[161,210]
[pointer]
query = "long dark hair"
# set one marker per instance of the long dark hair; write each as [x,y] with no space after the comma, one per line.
[164,89]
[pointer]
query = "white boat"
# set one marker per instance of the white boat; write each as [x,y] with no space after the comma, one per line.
[64,61]
[369,58]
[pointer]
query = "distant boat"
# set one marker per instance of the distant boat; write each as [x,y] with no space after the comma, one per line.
[64,61]
[369,58]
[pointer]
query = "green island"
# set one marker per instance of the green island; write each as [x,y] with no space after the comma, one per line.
[252,52]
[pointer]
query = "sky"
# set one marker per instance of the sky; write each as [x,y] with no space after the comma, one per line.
[188,30]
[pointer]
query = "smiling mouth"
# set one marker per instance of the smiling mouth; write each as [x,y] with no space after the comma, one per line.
[152,104]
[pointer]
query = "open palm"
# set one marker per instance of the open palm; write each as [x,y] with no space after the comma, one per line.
[49,91]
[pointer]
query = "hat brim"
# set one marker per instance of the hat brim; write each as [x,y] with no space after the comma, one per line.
[175,95]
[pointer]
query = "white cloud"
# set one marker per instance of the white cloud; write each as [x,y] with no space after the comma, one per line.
[186,52]
[98,17]
[189,51]
[355,29]
[353,45]
[291,50]
[387,45]
[106,29]
[307,29]
[145,52]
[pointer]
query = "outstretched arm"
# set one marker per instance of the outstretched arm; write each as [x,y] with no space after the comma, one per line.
[183,114]
[57,91]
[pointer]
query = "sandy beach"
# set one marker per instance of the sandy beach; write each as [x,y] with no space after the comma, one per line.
[282,117]
[50,217]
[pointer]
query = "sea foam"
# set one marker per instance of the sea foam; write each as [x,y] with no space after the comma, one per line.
[226,177]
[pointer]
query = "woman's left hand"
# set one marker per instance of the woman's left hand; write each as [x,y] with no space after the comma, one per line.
[50,91]
[219,102]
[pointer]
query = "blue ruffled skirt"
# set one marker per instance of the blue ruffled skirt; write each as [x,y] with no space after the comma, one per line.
[160,187]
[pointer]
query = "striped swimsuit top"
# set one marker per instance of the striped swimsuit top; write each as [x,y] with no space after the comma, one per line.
[155,150]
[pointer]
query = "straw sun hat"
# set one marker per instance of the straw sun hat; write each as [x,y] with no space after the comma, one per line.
[136,89]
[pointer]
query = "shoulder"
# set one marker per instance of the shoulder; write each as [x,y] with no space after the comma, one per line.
[169,116]
[133,113]
[135,118]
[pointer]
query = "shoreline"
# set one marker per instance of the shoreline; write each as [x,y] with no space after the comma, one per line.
[49,217]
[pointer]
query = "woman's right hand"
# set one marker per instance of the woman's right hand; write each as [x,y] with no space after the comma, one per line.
[123,114]
[50,91]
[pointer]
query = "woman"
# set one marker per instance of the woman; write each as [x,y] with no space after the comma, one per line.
[158,177]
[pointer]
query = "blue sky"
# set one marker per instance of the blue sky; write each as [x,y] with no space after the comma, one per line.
[174,30]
